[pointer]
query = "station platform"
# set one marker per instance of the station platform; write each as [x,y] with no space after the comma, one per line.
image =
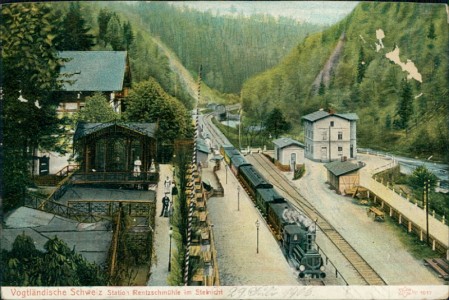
[241,261]
[159,269]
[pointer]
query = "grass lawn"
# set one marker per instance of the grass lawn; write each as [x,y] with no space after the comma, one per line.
[411,242]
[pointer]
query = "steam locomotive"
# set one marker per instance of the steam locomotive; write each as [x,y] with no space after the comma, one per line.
[294,231]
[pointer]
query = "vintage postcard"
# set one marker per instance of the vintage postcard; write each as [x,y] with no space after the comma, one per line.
[224,150]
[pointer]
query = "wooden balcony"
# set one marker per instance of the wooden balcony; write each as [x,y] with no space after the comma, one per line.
[115,178]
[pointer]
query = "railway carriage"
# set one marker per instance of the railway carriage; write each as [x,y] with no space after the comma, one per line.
[228,151]
[295,232]
[267,196]
[238,161]
[253,180]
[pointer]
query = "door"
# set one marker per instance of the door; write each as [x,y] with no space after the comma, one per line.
[323,153]
[293,161]
[44,165]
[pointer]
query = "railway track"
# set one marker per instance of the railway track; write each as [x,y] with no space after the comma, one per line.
[212,131]
[312,282]
[364,271]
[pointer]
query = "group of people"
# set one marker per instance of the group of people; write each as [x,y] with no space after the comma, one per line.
[169,187]
[166,203]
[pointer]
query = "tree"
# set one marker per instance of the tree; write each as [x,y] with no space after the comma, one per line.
[24,265]
[388,122]
[114,34]
[322,88]
[103,19]
[148,102]
[276,124]
[420,176]
[97,109]
[128,34]
[30,73]
[431,32]
[361,66]
[74,31]
[18,265]
[423,143]
[405,105]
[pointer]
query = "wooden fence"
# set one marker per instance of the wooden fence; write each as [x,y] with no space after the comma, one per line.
[408,224]
[115,177]
[63,210]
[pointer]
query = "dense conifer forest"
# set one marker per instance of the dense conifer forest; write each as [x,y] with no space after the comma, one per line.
[262,61]
[396,114]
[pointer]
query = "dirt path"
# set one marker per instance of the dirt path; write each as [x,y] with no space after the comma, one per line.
[176,66]
[376,242]
[325,73]
[447,11]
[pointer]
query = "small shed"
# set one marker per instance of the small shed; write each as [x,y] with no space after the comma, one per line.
[288,151]
[343,175]
[203,151]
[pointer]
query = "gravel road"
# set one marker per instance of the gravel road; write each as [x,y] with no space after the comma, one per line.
[377,242]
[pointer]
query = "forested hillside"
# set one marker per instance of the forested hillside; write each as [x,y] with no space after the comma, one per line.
[32,35]
[230,48]
[396,113]
[96,26]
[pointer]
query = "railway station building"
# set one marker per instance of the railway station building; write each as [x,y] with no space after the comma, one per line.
[330,136]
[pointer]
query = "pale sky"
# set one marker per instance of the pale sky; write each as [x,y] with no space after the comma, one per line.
[318,12]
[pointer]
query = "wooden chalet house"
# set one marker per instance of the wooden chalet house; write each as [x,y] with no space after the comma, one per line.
[88,72]
[108,147]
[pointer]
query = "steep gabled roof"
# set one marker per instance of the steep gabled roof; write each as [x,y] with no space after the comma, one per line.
[285,142]
[85,129]
[316,115]
[348,116]
[321,114]
[201,146]
[93,71]
[339,168]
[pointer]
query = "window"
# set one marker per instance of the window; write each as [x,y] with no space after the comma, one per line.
[340,135]
[340,149]
[309,242]
[332,123]
[324,134]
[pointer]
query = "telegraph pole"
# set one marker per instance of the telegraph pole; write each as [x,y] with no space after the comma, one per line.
[426,207]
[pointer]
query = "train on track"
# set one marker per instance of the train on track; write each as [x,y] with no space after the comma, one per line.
[295,232]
